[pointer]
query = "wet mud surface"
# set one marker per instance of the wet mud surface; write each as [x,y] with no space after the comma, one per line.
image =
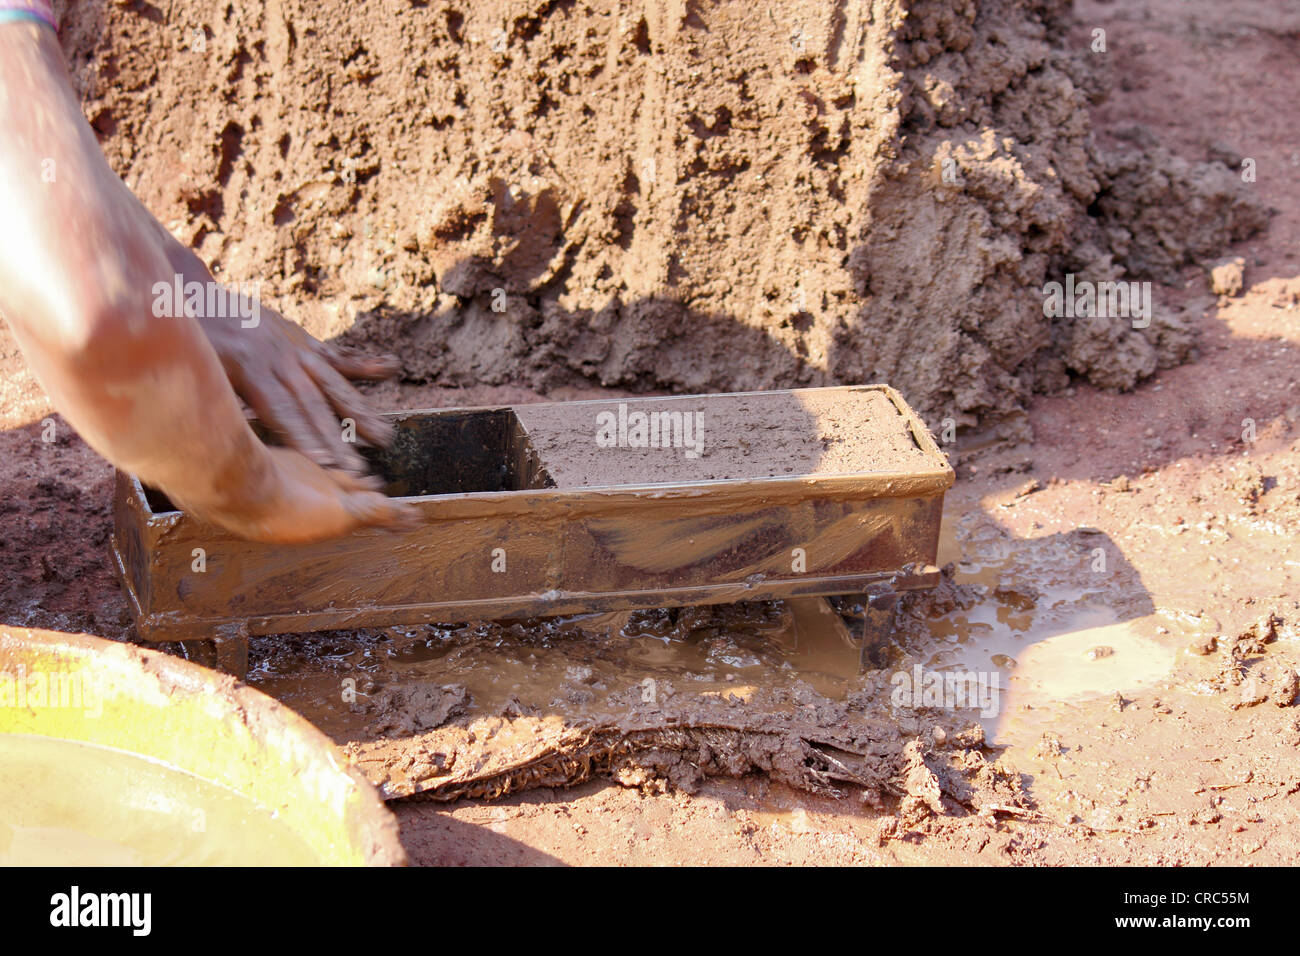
[664,699]
[657,699]
[727,437]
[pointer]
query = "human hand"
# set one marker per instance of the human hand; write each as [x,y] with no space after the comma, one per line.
[299,388]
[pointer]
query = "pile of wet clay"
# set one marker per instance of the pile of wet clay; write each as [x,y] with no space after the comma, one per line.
[663,195]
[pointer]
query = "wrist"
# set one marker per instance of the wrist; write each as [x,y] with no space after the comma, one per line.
[28,11]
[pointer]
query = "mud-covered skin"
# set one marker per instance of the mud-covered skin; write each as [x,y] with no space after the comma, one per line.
[659,195]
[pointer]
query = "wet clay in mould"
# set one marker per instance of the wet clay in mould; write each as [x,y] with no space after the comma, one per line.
[722,437]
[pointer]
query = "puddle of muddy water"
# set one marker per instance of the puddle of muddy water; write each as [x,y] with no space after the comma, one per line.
[582,667]
[1055,621]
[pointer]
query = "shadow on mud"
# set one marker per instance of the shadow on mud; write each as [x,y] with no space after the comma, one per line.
[442,840]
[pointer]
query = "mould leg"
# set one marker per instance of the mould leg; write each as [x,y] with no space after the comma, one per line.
[203,653]
[232,653]
[816,615]
[879,612]
[225,651]
[880,609]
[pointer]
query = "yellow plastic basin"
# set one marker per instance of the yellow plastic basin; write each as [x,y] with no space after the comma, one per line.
[110,753]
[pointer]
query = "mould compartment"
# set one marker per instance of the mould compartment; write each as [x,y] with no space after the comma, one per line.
[806,433]
[158,502]
[458,452]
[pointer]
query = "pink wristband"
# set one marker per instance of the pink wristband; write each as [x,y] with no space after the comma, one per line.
[38,11]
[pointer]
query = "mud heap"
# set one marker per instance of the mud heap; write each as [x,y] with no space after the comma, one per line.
[663,194]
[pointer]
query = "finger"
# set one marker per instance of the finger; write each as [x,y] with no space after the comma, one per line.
[352,484]
[279,412]
[362,482]
[371,509]
[320,436]
[355,364]
[349,403]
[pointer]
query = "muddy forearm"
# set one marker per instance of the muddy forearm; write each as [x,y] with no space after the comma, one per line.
[79,260]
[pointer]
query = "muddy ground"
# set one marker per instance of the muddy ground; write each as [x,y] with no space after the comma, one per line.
[1124,561]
